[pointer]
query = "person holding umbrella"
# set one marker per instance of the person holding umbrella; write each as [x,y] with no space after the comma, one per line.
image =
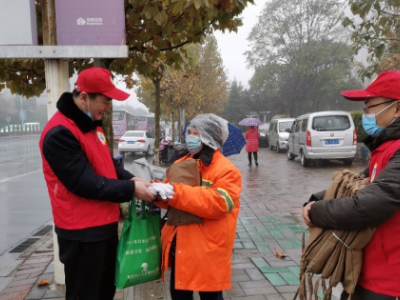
[377,204]
[252,135]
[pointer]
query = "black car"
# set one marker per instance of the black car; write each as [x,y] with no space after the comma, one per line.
[263,140]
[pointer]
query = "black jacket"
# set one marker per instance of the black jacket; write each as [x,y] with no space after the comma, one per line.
[69,163]
[374,204]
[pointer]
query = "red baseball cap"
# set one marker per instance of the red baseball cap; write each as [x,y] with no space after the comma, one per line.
[98,80]
[386,85]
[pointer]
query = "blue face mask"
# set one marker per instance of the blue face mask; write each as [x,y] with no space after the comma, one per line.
[369,122]
[193,144]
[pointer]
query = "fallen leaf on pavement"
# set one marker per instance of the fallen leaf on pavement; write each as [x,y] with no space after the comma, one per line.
[44,282]
[279,255]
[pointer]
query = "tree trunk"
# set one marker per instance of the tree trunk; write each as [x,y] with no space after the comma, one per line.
[107,117]
[156,82]
[172,120]
[172,127]
[49,22]
[180,122]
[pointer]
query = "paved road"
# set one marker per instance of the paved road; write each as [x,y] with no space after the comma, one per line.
[24,205]
[269,219]
[24,202]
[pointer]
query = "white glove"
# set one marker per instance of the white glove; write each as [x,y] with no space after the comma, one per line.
[164,190]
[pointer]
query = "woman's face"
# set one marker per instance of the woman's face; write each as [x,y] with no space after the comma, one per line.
[193,131]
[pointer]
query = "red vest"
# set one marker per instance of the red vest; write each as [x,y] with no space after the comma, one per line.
[381,263]
[72,212]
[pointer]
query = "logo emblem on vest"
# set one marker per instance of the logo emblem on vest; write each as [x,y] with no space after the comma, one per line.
[101,137]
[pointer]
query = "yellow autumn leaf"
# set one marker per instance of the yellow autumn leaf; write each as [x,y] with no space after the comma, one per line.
[44,282]
[279,255]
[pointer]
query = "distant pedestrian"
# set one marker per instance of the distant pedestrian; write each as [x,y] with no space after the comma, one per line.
[86,186]
[252,135]
[377,204]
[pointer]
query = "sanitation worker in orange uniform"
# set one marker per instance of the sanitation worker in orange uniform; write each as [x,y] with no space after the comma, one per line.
[199,255]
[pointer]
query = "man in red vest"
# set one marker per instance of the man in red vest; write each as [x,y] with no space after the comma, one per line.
[376,205]
[85,185]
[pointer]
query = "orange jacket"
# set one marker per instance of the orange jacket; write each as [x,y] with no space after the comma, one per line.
[203,251]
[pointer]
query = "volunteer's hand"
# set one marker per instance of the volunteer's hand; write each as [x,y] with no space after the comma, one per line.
[163,190]
[142,192]
[306,214]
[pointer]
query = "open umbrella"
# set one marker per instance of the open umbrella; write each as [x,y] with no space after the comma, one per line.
[235,141]
[250,122]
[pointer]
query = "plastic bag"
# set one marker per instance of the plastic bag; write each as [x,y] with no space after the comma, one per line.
[139,249]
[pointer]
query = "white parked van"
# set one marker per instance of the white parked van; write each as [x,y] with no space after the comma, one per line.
[328,135]
[278,133]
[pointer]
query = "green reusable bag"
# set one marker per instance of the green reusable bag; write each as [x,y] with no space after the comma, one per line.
[139,249]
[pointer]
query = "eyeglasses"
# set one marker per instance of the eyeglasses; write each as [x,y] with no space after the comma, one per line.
[365,108]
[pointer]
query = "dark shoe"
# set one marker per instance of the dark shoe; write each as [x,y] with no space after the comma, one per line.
[249,165]
[256,164]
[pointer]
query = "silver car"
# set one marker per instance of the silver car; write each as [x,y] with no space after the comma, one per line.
[278,133]
[263,139]
[325,135]
[136,141]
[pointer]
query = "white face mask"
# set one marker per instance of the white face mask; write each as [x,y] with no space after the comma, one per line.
[88,113]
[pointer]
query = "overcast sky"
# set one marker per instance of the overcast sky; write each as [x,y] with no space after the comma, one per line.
[232,47]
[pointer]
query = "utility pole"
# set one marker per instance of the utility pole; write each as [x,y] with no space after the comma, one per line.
[56,70]
[57,82]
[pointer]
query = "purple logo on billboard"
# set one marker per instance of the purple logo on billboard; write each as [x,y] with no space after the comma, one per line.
[90,22]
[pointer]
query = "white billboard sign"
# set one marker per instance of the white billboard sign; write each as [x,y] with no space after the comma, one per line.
[18,22]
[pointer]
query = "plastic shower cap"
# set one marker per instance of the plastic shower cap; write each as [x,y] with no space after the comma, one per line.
[213,129]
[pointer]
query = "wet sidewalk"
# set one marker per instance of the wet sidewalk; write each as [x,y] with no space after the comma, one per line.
[269,220]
